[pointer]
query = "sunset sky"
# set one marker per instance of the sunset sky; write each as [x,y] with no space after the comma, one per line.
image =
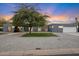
[58,12]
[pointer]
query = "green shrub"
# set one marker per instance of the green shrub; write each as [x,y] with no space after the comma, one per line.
[1,29]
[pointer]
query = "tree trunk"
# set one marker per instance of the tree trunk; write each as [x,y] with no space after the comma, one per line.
[16,29]
[78,29]
[30,30]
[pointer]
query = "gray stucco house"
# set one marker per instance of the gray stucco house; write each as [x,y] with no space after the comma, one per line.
[62,27]
[47,28]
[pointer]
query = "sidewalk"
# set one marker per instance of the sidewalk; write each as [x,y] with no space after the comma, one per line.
[53,52]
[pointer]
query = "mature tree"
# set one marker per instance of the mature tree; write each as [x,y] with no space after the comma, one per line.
[29,16]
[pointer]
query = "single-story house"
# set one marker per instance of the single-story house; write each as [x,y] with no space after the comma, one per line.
[7,27]
[48,28]
[56,28]
[62,27]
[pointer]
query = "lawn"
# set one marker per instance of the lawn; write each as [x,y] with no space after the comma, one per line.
[39,34]
[2,33]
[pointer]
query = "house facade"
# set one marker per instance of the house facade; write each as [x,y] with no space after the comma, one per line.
[62,27]
[48,28]
[36,29]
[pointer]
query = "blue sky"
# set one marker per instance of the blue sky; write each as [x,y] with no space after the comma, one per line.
[57,11]
[7,8]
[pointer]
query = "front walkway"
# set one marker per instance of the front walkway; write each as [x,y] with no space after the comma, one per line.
[13,43]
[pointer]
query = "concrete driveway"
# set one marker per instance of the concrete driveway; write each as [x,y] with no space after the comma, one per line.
[73,33]
[14,44]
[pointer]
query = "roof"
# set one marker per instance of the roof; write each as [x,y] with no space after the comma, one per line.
[65,25]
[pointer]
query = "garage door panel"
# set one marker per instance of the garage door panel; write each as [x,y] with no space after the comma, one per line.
[69,29]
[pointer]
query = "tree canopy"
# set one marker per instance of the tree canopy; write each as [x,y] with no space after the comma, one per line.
[28,16]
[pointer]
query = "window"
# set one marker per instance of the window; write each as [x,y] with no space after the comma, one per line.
[60,26]
[52,26]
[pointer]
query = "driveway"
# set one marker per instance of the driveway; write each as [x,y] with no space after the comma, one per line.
[74,33]
[64,43]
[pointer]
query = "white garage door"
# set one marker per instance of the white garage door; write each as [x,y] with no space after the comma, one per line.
[69,29]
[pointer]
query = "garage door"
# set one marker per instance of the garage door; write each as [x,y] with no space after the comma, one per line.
[69,29]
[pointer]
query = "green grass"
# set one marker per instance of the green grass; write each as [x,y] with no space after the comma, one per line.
[39,34]
[2,33]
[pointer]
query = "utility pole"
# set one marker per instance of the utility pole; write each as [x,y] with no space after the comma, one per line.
[76,19]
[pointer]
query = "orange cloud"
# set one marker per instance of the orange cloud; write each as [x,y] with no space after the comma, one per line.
[59,17]
[54,18]
[6,17]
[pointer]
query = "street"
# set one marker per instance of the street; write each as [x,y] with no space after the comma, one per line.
[64,43]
